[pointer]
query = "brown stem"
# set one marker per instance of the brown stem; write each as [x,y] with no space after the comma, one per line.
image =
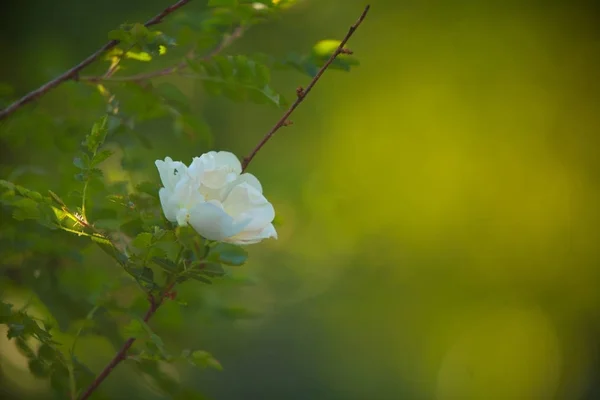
[301,93]
[122,353]
[74,72]
[227,40]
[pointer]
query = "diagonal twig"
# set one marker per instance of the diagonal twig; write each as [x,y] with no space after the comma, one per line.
[301,93]
[74,72]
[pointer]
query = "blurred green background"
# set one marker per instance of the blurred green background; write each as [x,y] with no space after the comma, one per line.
[439,204]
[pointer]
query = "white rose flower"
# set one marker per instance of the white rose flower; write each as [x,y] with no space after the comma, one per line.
[216,199]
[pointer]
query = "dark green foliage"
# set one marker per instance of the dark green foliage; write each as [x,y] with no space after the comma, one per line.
[81,225]
[239,78]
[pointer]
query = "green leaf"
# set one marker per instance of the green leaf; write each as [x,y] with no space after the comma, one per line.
[59,378]
[142,241]
[212,269]
[204,359]
[229,254]
[165,264]
[80,163]
[239,78]
[38,368]
[5,310]
[149,188]
[101,156]
[172,94]
[25,209]
[135,329]
[96,138]
[47,352]
[24,348]
[196,276]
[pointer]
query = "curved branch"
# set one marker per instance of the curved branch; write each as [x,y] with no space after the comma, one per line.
[301,93]
[74,72]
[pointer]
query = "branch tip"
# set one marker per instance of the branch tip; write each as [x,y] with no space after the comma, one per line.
[72,74]
[302,92]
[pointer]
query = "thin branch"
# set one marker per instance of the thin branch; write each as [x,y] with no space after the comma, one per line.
[302,93]
[227,40]
[122,353]
[74,72]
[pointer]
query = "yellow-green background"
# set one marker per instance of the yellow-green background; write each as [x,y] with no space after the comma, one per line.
[439,204]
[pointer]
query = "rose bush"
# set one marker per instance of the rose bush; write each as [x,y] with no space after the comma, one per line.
[215,198]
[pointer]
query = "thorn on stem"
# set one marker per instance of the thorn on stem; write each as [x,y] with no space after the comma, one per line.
[300,92]
[288,123]
[171,295]
[346,51]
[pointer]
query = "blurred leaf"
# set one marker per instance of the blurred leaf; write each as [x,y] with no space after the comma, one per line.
[47,352]
[38,368]
[237,77]
[135,329]
[172,94]
[228,254]
[101,156]
[204,359]
[148,188]
[96,138]
[59,378]
[165,264]
[142,241]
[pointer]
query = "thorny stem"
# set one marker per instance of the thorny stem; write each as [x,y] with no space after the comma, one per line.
[156,303]
[74,72]
[302,93]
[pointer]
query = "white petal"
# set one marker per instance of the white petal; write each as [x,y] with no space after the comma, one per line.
[211,221]
[245,202]
[244,178]
[251,237]
[226,159]
[215,170]
[170,172]
[201,164]
[168,207]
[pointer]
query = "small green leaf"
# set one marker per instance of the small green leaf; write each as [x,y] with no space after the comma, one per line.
[59,378]
[47,352]
[101,156]
[25,209]
[79,163]
[96,138]
[229,254]
[165,264]
[142,241]
[135,329]
[24,348]
[148,188]
[204,359]
[38,368]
